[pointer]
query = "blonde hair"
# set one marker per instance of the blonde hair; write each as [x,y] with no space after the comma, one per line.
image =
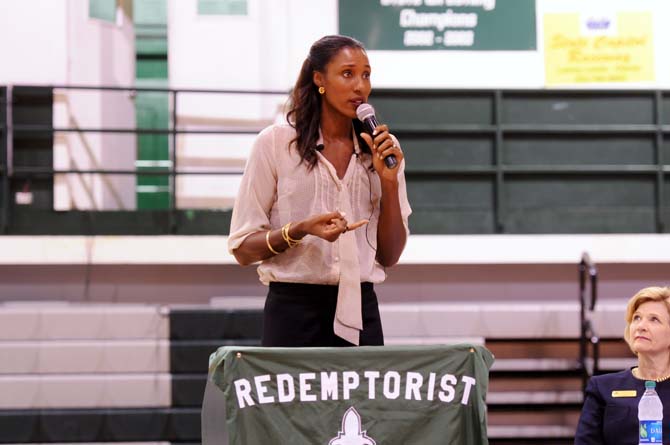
[645,295]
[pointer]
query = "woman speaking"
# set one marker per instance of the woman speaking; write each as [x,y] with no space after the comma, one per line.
[320,209]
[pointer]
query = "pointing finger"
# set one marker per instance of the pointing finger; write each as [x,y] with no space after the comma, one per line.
[357,224]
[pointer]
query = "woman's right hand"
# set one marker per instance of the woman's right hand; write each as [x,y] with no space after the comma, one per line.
[328,226]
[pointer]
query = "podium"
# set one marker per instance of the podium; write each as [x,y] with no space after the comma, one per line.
[371,395]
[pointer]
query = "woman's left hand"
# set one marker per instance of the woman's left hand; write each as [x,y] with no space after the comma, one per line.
[383,145]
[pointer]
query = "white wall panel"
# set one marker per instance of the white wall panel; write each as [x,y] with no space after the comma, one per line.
[33,42]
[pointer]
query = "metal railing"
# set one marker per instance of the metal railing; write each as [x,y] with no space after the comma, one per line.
[588,335]
[9,130]
[7,161]
[492,121]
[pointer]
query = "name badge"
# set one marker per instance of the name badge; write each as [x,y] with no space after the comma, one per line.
[624,393]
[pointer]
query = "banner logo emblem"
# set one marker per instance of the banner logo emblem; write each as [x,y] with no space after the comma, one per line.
[351,433]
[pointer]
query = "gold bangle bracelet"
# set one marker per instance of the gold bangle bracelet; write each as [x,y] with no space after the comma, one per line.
[294,241]
[290,241]
[267,241]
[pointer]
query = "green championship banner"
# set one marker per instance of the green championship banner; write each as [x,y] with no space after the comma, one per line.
[472,25]
[388,395]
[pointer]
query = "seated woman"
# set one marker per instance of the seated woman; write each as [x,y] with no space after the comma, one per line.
[609,415]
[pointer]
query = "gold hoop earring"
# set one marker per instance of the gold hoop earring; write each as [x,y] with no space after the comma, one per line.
[322,90]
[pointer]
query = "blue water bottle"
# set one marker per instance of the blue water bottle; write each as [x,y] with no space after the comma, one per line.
[650,414]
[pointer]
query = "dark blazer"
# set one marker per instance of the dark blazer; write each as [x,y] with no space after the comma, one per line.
[609,418]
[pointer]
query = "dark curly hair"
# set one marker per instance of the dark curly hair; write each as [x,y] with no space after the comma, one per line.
[305,101]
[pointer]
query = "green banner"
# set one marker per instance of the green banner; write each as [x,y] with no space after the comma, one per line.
[392,395]
[477,25]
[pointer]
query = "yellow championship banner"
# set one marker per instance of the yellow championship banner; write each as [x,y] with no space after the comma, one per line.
[598,48]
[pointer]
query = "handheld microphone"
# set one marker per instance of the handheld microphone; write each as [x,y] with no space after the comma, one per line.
[366,114]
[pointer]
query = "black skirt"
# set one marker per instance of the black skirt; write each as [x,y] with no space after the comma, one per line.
[302,315]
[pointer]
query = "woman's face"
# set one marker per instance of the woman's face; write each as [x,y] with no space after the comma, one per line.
[347,81]
[650,328]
